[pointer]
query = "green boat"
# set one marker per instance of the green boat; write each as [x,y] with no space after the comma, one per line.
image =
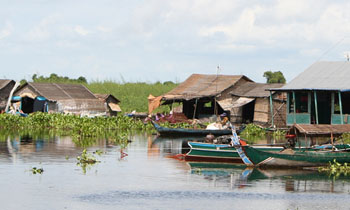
[219,152]
[298,158]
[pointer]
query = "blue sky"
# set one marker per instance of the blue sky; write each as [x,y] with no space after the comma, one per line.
[161,40]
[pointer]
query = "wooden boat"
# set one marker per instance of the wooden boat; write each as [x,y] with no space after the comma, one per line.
[188,132]
[220,152]
[298,158]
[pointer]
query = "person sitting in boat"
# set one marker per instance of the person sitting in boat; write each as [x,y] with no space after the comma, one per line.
[224,121]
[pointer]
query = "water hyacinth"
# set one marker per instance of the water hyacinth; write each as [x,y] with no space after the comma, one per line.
[80,128]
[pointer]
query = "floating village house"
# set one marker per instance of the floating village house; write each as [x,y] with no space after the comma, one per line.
[202,95]
[250,103]
[63,98]
[319,95]
[111,102]
[5,89]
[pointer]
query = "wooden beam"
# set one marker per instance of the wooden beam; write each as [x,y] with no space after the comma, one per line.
[271,109]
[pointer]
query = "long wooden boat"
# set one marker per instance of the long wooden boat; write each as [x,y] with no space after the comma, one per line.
[224,153]
[163,131]
[297,158]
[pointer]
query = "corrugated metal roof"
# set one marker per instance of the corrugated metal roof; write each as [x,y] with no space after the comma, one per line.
[322,76]
[322,129]
[201,85]
[254,90]
[55,91]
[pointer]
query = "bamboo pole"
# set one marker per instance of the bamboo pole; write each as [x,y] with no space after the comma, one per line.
[271,110]
[341,108]
[195,108]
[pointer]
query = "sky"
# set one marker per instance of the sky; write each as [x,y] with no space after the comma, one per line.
[168,40]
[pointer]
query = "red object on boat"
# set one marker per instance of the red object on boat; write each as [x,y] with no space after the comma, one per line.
[290,136]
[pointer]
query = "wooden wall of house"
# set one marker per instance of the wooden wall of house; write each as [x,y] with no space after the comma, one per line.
[262,112]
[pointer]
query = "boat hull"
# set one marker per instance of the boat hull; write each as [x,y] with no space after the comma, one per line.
[295,158]
[218,152]
[163,131]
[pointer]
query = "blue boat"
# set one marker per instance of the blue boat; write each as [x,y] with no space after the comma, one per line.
[163,131]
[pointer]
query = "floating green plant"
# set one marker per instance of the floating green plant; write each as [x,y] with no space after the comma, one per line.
[36,170]
[253,130]
[85,160]
[336,169]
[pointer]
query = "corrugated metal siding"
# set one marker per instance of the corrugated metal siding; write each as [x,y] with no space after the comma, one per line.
[81,106]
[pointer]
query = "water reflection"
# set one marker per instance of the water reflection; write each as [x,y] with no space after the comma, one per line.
[140,175]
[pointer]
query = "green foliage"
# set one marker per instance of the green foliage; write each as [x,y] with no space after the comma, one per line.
[133,96]
[345,138]
[84,130]
[85,160]
[336,169]
[36,170]
[253,130]
[274,77]
[57,79]
[279,133]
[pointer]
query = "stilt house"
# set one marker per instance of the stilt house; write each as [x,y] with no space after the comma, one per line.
[319,95]
[251,104]
[204,95]
[5,89]
[63,98]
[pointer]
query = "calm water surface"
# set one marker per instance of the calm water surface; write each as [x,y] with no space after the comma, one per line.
[144,176]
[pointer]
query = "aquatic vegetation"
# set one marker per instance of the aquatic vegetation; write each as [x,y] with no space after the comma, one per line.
[36,170]
[253,130]
[85,160]
[279,133]
[84,130]
[336,169]
[345,137]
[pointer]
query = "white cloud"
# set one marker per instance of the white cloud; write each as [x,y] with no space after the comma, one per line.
[81,30]
[6,31]
[43,30]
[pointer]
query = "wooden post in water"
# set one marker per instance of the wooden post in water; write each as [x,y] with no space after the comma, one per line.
[341,108]
[294,113]
[271,109]
[332,141]
[195,109]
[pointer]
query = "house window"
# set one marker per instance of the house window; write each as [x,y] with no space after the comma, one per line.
[301,102]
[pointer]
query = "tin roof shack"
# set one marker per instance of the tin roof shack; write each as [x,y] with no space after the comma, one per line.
[319,95]
[111,103]
[313,134]
[251,104]
[5,89]
[64,98]
[204,95]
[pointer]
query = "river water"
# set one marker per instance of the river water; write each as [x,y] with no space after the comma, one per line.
[144,175]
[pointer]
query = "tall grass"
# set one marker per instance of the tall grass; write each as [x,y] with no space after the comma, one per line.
[133,96]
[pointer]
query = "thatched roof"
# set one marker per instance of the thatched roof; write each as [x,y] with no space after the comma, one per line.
[5,82]
[56,92]
[254,90]
[201,85]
